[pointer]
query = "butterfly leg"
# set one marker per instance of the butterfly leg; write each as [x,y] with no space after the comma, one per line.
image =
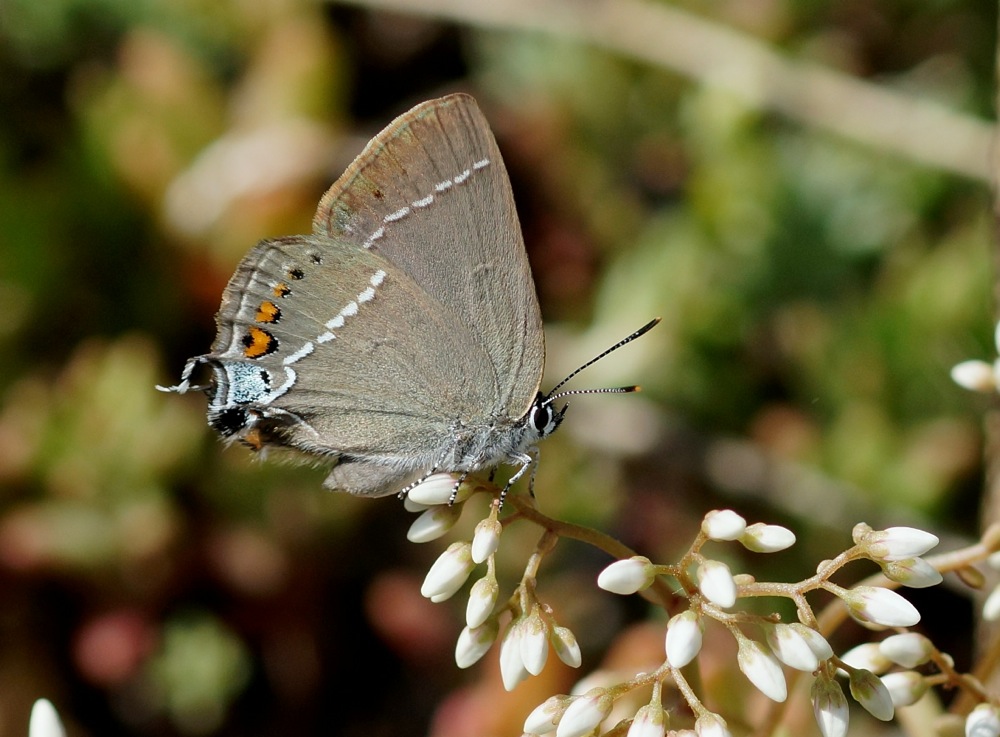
[527,461]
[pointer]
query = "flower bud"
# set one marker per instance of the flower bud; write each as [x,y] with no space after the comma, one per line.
[716,583]
[433,523]
[44,721]
[545,717]
[977,376]
[762,668]
[723,524]
[711,725]
[869,691]
[567,648]
[649,721]
[983,721]
[880,606]
[534,643]
[448,573]
[914,573]
[761,538]
[684,637]
[435,489]
[905,687]
[482,599]
[585,713]
[909,649]
[829,707]
[474,642]
[627,576]
[486,539]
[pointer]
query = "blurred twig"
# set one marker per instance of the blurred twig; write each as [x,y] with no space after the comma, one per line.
[914,128]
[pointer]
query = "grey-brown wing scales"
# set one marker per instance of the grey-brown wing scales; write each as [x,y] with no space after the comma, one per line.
[370,364]
[431,194]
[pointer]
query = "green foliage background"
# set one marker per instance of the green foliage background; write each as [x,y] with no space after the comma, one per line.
[814,292]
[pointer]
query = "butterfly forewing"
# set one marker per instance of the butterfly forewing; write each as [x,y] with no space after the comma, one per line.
[431,194]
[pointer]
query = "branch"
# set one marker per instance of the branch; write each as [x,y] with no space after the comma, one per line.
[915,129]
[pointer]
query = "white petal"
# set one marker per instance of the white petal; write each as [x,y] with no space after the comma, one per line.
[566,647]
[723,524]
[649,721]
[905,687]
[991,607]
[684,638]
[983,721]
[545,717]
[433,523]
[627,576]
[435,489]
[914,573]
[448,573]
[881,606]
[761,538]
[584,714]
[482,599]
[474,643]
[909,649]
[897,543]
[486,539]
[830,707]
[716,583]
[711,725]
[45,721]
[977,376]
[869,691]
[867,656]
[534,644]
[792,648]
[763,669]
[512,670]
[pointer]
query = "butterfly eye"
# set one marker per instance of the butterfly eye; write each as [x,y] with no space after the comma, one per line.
[541,416]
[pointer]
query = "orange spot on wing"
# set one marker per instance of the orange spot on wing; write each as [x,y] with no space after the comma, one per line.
[268,312]
[258,343]
[281,290]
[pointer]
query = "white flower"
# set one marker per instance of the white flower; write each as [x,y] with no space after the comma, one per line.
[545,717]
[534,643]
[762,668]
[482,599]
[905,687]
[716,583]
[796,646]
[512,670]
[486,539]
[914,573]
[433,523]
[627,576]
[869,691]
[474,642]
[898,543]
[585,713]
[829,707]
[711,725]
[867,656]
[761,538]
[909,649]
[567,648]
[723,524]
[649,721]
[45,721]
[991,607]
[684,637]
[435,489]
[880,606]
[978,376]
[448,573]
[983,721]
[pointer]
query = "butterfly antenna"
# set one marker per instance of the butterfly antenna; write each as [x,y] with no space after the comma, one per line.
[618,390]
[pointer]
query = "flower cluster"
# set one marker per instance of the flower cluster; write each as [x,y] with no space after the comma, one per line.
[531,629]
[880,676]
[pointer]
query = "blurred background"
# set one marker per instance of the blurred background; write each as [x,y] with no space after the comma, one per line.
[800,189]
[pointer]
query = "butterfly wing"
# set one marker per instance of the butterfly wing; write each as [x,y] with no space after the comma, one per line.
[431,194]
